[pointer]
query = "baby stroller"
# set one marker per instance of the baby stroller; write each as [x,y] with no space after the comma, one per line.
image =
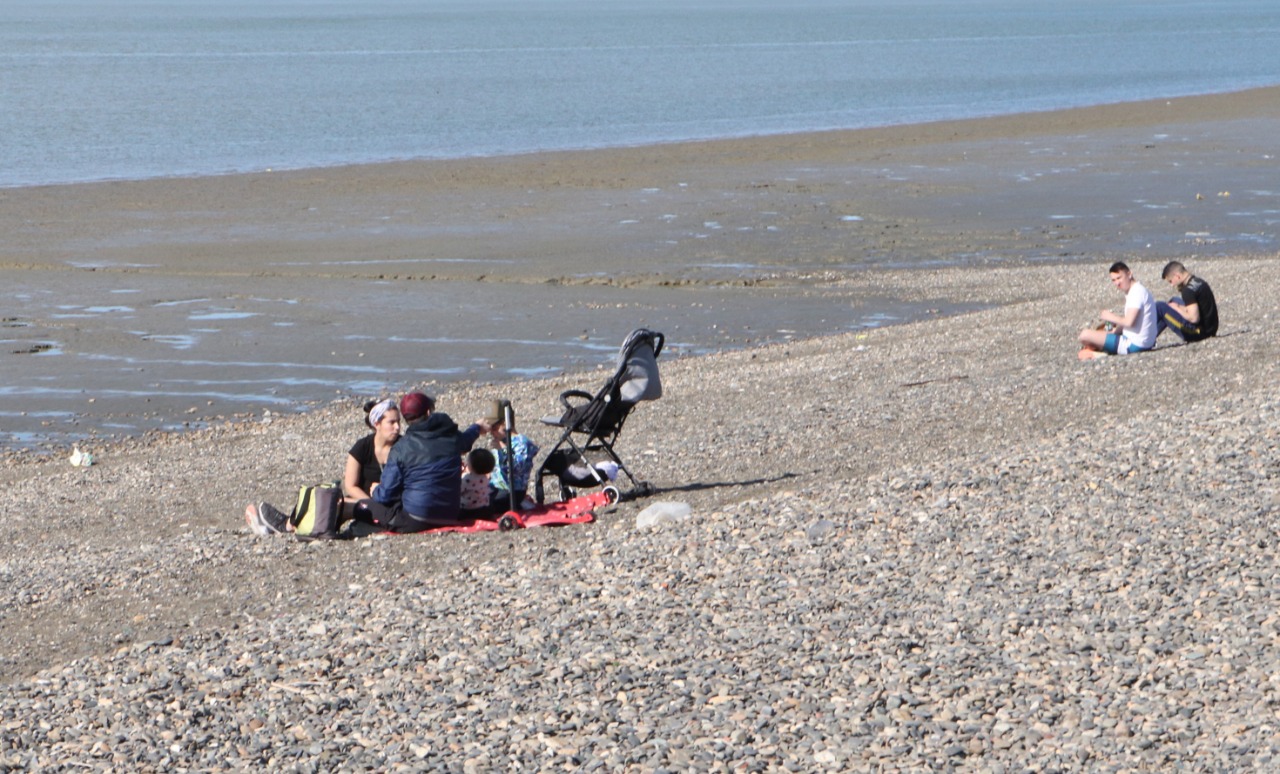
[597,420]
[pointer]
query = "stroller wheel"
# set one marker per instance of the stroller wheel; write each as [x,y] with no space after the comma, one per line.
[613,494]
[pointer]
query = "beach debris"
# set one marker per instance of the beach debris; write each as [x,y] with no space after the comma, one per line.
[1199,197]
[80,459]
[1224,194]
[34,349]
[662,513]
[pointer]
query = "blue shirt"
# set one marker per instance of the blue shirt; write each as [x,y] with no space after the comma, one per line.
[523,451]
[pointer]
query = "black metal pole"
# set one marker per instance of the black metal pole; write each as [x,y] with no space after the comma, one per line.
[509,419]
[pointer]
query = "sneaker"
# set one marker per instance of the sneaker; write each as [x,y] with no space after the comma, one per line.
[264,519]
[276,519]
[256,525]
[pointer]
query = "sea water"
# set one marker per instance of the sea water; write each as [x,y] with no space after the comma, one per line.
[127,89]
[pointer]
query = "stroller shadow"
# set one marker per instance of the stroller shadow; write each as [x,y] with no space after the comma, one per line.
[699,486]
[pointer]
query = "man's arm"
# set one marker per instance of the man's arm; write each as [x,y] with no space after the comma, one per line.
[1189,304]
[467,438]
[388,490]
[1129,319]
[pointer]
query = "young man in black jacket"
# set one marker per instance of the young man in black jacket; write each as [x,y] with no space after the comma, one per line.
[1193,314]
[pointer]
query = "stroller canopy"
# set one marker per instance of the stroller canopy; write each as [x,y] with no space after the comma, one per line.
[637,376]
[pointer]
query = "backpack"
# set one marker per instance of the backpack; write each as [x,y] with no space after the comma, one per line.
[318,512]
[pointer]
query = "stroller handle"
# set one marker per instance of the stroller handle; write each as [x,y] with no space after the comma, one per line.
[567,394]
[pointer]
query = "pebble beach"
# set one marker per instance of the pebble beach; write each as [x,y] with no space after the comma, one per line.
[938,545]
[943,545]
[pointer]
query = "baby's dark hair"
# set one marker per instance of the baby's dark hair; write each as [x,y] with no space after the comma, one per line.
[480,461]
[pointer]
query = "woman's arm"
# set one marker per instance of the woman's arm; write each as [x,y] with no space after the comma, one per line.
[351,481]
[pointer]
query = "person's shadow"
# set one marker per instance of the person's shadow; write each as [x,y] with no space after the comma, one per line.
[699,486]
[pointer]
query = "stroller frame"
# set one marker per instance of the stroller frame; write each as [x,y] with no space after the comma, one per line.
[601,417]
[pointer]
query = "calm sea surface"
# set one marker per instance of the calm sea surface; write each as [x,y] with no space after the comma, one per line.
[98,89]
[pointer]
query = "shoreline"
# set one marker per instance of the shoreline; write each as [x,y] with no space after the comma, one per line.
[1230,95]
[206,299]
[1213,107]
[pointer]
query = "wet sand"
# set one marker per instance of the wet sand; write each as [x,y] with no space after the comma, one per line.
[167,303]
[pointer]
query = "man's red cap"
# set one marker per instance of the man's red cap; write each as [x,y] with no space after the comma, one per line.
[415,405]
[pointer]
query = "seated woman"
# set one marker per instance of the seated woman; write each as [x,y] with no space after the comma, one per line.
[368,456]
[365,462]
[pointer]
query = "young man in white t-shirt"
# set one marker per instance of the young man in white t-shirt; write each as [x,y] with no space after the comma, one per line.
[1133,331]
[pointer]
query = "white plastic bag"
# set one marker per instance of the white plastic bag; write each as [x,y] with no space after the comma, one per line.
[661,513]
